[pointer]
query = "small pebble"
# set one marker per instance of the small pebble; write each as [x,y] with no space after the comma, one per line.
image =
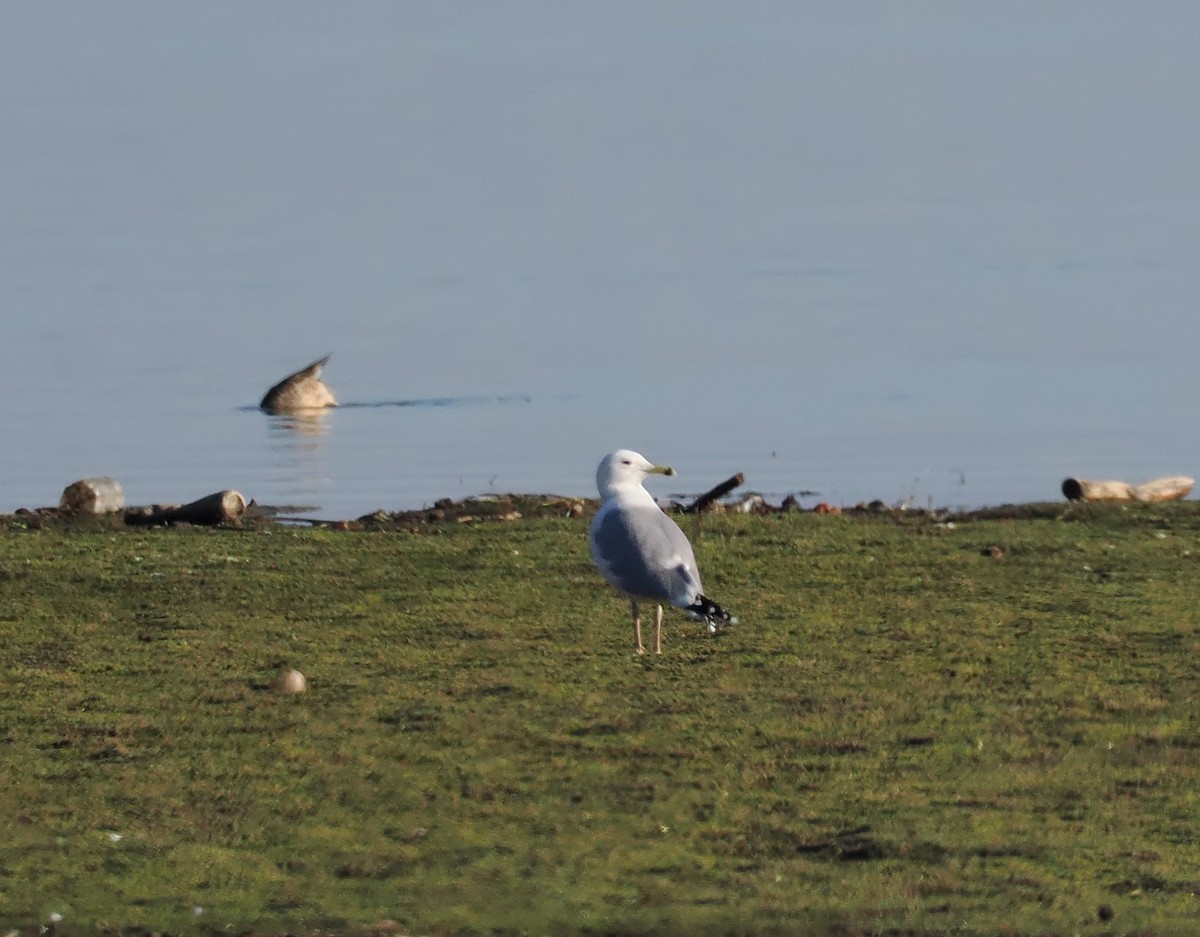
[291,681]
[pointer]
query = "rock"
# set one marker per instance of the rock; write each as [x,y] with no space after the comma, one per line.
[100,495]
[290,681]
[750,504]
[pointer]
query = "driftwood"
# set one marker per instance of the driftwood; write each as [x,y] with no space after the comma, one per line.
[102,495]
[1167,488]
[302,390]
[1083,489]
[720,490]
[222,507]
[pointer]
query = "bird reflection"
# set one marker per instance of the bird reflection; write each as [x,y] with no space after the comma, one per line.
[301,423]
[297,445]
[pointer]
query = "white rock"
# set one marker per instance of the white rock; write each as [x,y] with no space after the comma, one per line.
[291,681]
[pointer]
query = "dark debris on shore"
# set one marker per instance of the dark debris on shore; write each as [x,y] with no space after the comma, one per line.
[509,508]
[514,507]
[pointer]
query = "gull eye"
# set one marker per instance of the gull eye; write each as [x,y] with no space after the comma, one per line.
[626,462]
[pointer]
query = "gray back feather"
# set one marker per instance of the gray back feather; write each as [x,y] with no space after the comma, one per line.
[643,553]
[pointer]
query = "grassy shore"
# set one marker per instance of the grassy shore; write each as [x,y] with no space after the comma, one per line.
[981,726]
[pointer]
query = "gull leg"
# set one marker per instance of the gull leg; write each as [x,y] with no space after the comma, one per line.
[637,626]
[658,629]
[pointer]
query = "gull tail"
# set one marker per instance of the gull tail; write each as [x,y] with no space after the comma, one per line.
[705,609]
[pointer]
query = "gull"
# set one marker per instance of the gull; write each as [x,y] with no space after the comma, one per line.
[641,551]
[303,390]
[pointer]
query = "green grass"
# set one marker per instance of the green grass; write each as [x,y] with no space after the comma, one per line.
[903,735]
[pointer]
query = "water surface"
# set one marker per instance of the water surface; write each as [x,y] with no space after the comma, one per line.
[931,252]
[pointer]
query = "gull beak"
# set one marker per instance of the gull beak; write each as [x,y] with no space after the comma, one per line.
[662,470]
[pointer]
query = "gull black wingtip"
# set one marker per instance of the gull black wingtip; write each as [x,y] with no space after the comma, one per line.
[707,610]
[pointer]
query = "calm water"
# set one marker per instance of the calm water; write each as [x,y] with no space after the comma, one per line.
[933,251]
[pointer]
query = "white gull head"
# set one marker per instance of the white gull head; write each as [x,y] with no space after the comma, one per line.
[625,470]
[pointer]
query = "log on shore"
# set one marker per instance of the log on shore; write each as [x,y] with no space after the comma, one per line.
[1167,488]
[221,507]
[100,495]
[734,481]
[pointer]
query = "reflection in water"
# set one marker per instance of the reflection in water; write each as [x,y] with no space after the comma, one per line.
[300,423]
[297,443]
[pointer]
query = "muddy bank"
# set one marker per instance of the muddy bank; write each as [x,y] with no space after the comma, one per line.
[511,508]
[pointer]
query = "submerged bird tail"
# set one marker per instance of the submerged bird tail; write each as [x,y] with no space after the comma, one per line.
[705,609]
